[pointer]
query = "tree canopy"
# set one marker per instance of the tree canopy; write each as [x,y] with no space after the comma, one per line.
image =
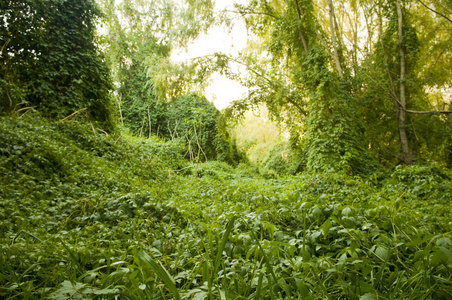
[358,83]
[353,78]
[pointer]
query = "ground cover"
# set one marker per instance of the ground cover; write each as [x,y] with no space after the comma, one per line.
[84,215]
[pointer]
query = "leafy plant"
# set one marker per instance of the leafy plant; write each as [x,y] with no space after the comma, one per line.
[86,215]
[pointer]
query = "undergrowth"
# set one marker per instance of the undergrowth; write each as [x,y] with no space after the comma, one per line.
[84,215]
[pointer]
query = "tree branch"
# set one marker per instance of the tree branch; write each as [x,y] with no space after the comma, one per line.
[419,112]
[300,29]
[333,38]
[253,13]
[429,112]
[396,156]
[436,12]
[302,111]
[436,62]
[272,85]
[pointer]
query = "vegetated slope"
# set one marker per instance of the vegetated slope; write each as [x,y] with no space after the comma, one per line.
[83,215]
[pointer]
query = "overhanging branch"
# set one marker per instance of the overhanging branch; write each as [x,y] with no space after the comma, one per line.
[301,110]
[252,13]
[430,112]
[436,12]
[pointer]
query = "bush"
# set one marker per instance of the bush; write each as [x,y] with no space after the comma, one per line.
[283,159]
[56,74]
[197,122]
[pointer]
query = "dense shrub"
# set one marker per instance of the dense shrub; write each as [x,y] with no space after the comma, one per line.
[198,123]
[44,68]
[283,159]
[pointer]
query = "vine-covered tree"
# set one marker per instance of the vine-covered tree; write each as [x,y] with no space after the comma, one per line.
[153,94]
[352,79]
[49,59]
[402,105]
[306,78]
[197,123]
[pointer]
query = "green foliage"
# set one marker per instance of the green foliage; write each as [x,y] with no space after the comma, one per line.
[226,145]
[283,159]
[83,215]
[192,119]
[199,124]
[272,154]
[141,63]
[379,108]
[139,104]
[222,171]
[306,90]
[334,132]
[256,128]
[331,72]
[424,182]
[137,39]
[129,41]
[70,154]
[50,61]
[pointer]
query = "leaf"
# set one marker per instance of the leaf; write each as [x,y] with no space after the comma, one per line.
[106,291]
[382,252]
[224,239]
[447,253]
[200,296]
[259,285]
[267,261]
[116,274]
[304,289]
[346,211]
[444,242]
[222,295]
[160,271]
[68,289]
[441,255]
[368,296]
[326,227]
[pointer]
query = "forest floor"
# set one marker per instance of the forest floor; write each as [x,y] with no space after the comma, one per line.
[84,215]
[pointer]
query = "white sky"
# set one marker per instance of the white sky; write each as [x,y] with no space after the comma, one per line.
[222,90]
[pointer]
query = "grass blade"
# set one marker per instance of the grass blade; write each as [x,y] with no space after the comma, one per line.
[160,271]
[224,240]
[259,286]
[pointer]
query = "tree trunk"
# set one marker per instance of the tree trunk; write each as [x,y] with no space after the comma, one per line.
[333,38]
[300,29]
[401,106]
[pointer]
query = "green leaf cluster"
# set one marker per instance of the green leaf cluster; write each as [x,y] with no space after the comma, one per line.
[50,61]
